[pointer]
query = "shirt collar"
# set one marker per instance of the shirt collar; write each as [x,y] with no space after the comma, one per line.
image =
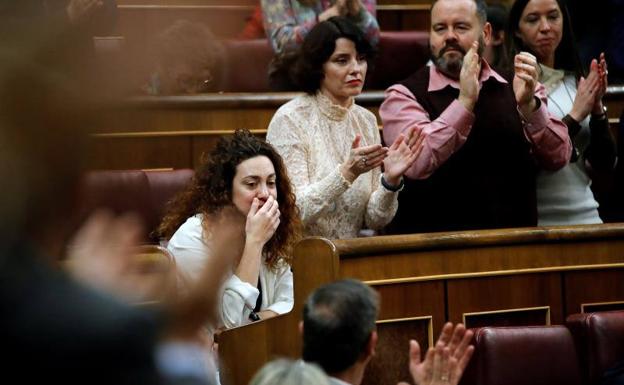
[331,110]
[437,80]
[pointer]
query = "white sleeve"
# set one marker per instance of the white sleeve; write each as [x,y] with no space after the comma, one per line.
[239,299]
[382,204]
[284,296]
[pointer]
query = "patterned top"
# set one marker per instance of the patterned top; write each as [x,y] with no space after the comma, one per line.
[287,22]
[314,137]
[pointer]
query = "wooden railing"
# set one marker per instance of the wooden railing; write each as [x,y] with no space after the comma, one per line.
[173,131]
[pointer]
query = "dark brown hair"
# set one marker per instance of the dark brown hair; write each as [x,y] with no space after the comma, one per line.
[566,54]
[319,45]
[211,189]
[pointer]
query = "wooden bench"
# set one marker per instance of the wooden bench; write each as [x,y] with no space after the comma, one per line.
[528,276]
[173,131]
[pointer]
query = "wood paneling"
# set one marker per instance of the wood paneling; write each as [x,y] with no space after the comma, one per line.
[135,134]
[587,287]
[416,299]
[391,361]
[506,293]
[140,153]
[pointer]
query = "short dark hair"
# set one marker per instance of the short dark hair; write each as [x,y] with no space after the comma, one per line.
[318,46]
[338,319]
[566,54]
[481,9]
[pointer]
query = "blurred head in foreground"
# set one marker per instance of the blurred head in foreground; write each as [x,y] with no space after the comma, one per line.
[188,60]
[287,372]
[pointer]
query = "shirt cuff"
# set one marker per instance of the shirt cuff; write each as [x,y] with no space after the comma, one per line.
[248,292]
[281,307]
[538,119]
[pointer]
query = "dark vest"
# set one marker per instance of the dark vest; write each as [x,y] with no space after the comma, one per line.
[487,183]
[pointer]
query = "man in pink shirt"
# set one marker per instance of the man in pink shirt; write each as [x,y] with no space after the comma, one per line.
[485,134]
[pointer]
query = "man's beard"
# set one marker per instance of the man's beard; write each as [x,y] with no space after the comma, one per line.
[452,67]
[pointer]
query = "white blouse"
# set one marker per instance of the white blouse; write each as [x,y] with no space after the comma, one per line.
[314,137]
[191,249]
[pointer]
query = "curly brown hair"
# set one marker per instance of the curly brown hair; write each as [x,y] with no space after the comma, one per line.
[211,189]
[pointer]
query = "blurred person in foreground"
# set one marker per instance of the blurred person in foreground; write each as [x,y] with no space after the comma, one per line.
[245,174]
[55,327]
[485,135]
[331,145]
[542,27]
[288,372]
[188,60]
[74,24]
[339,335]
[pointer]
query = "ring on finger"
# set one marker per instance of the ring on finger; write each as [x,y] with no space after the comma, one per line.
[444,378]
[363,160]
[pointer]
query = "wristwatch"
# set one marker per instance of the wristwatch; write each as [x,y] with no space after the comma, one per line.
[253,316]
[603,115]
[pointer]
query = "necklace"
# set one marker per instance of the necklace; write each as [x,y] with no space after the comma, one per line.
[551,99]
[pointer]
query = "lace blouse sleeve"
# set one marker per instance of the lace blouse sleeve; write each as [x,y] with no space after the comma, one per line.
[382,204]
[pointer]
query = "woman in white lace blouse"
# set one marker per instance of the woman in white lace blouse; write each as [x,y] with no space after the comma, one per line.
[331,146]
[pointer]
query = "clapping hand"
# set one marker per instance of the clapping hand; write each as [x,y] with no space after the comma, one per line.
[524,82]
[445,363]
[362,159]
[601,68]
[401,154]
[102,250]
[338,9]
[469,78]
[586,92]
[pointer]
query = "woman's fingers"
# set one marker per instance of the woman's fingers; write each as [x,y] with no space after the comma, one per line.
[374,159]
[397,142]
[254,207]
[370,150]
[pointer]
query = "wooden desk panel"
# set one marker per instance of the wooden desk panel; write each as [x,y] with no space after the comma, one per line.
[594,287]
[391,362]
[416,299]
[509,296]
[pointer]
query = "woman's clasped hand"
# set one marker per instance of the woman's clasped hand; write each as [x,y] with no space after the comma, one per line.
[395,159]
